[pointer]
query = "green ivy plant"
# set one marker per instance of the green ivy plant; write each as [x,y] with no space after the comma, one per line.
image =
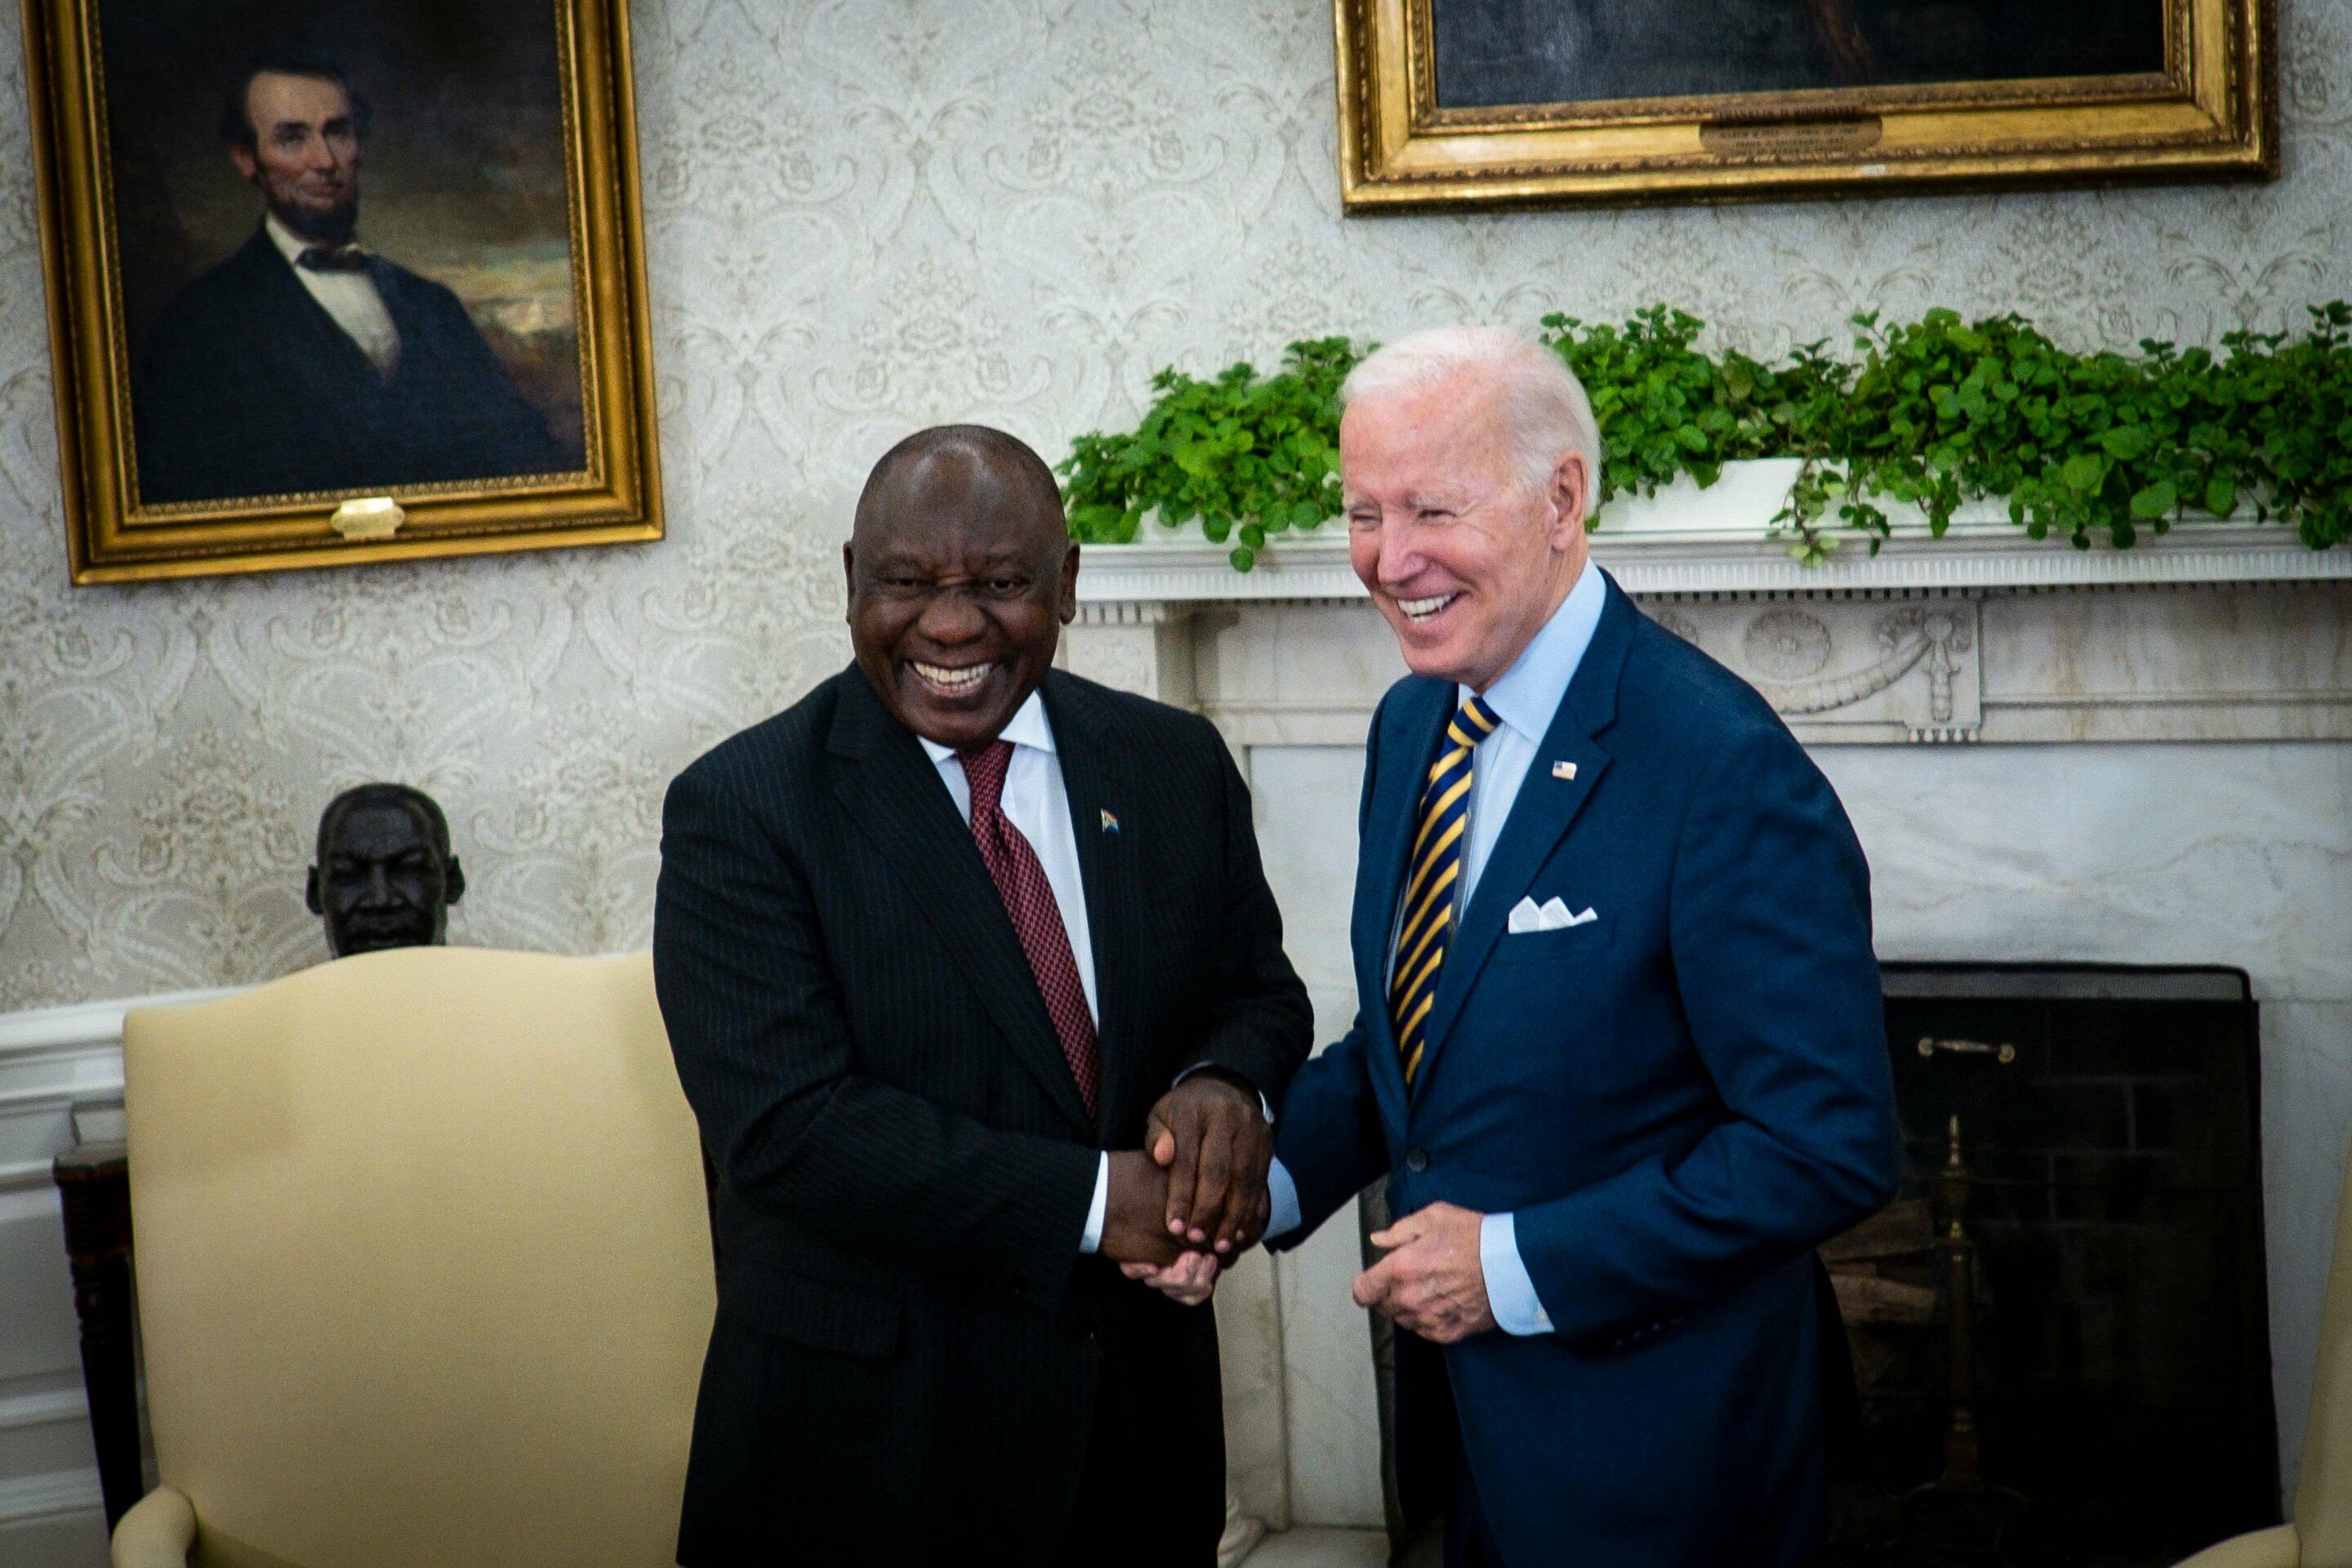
[1930,413]
[1247,455]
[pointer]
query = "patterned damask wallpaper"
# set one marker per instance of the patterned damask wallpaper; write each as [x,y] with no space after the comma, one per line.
[867,216]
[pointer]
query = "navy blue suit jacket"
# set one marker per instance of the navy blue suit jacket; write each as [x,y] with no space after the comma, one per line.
[1679,1099]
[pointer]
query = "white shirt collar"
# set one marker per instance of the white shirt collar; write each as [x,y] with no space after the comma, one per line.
[1027,727]
[1530,693]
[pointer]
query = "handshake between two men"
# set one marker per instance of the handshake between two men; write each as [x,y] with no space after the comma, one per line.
[1193,1198]
[1187,1205]
[931,941]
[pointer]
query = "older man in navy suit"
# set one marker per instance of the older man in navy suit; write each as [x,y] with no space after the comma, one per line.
[304,362]
[1619,1049]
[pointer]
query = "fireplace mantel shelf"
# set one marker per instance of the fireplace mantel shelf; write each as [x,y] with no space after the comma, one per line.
[1716,540]
[1983,635]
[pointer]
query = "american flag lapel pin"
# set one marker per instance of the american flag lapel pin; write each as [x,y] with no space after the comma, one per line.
[1109,823]
[1563,770]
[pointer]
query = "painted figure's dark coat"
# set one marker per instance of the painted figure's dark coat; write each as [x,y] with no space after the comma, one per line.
[248,387]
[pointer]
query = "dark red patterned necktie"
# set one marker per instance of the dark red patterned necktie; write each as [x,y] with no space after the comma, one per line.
[1036,918]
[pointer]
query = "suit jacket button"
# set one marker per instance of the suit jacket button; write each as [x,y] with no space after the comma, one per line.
[1416,1160]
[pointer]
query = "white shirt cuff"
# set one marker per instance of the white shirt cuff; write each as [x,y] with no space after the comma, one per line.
[1283,1193]
[1092,1240]
[1510,1294]
[1263,1104]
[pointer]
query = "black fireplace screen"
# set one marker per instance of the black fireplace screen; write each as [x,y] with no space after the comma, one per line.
[2059,1327]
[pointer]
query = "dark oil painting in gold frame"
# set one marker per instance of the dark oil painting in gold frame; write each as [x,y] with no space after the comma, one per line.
[342,280]
[1451,103]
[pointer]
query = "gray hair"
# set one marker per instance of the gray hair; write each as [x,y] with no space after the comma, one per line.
[1545,406]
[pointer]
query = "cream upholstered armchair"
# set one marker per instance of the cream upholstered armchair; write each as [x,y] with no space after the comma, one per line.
[2321,1535]
[425,1269]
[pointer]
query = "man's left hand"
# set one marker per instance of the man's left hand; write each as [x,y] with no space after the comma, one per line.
[1431,1280]
[1210,1132]
[1189,1281]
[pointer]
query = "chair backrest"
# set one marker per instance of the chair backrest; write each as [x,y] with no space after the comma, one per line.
[424,1264]
[2323,1498]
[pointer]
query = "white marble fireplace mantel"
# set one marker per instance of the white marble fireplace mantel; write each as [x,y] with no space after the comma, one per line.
[2213,631]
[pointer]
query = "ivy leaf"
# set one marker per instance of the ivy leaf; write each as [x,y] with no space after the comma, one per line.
[2083,471]
[2125,443]
[1095,522]
[2159,499]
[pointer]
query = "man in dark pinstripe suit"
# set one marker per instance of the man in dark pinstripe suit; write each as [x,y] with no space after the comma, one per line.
[939,948]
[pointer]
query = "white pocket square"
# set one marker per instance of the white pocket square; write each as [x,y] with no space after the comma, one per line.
[1527,915]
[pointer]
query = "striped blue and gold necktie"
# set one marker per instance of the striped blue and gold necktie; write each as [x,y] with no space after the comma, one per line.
[1432,886]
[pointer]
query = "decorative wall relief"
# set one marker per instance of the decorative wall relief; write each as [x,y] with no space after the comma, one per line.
[1848,669]
[1784,645]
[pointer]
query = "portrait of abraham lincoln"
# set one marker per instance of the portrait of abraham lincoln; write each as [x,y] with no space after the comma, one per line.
[345,246]
[1498,52]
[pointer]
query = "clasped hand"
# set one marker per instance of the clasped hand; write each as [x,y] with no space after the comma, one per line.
[1193,1197]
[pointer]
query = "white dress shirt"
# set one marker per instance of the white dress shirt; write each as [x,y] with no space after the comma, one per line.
[1037,803]
[1523,699]
[350,298]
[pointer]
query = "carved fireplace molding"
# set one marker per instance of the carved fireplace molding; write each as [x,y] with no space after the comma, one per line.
[2217,631]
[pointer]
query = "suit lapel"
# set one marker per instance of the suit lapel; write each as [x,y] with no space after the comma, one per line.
[417,339]
[1095,776]
[889,786]
[1540,818]
[326,345]
[1407,743]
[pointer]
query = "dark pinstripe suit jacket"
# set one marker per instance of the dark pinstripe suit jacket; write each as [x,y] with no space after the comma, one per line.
[909,1344]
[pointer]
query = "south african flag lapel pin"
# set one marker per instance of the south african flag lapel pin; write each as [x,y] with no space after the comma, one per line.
[1109,823]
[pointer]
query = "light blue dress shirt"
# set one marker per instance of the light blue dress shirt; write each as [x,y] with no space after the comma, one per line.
[1523,699]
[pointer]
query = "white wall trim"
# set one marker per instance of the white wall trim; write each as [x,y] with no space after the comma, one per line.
[53,1060]
[18,1411]
[44,1496]
[85,1022]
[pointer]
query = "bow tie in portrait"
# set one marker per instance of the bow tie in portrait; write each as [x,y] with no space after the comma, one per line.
[323,258]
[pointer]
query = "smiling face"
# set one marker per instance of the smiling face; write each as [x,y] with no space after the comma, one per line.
[961,574]
[1465,560]
[304,155]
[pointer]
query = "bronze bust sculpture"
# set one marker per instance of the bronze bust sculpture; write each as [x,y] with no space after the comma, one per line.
[385,877]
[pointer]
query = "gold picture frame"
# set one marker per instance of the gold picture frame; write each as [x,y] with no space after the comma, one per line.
[566,300]
[2211,112]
